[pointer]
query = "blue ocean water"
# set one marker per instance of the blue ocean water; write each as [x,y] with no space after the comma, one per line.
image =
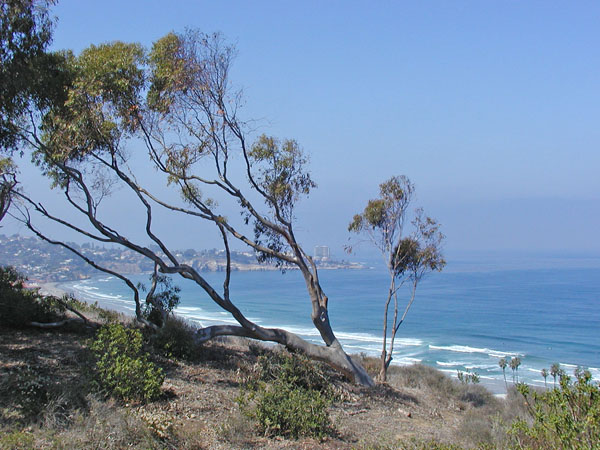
[542,309]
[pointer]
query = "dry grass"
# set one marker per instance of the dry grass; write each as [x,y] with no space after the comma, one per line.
[418,408]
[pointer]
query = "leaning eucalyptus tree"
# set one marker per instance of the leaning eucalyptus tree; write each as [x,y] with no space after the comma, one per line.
[176,102]
[25,32]
[408,257]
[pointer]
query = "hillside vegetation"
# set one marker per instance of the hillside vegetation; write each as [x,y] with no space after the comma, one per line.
[110,384]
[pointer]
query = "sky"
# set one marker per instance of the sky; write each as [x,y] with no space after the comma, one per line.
[490,107]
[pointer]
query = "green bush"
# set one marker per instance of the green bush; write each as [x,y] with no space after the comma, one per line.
[565,417]
[294,369]
[25,390]
[287,410]
[122,368]
[176,339]
[19,306]
[288,396]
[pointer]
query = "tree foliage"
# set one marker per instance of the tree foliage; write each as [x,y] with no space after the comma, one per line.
[26,71]
[177,101]
[161,299]
[25,32]
[563,417]
[408,257]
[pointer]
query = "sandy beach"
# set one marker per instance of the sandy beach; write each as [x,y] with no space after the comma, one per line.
[54,288]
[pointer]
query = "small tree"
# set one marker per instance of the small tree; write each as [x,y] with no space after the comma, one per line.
[502,363]
[544,373]
[408,258]
[161,299]
[554,371]
[514,365]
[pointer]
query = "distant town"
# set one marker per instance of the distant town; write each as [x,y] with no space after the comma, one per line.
[44,262]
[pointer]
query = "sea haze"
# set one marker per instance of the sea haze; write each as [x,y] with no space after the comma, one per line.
[542,309]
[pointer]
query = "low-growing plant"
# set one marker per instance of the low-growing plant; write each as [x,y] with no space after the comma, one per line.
[425,377]
[294,369]
[370,363]
[26,390]
[19,306]
[476,395]
[17,440]
[284,409]
[176,339]
[288,396]
[122,368]
[563,417]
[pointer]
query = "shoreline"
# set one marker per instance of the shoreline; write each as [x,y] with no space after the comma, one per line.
[496,387]
[53,288]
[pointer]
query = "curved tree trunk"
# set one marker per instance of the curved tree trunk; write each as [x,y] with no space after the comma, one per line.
[333,355]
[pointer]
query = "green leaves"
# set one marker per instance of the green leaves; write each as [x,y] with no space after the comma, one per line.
[385,215]
[102,101]
[288,396]
[565,417]
[122,369]
[167,72]
[25,31]
[114,75]
[383,221]
[281,172]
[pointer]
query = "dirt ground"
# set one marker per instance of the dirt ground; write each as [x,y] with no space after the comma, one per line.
[199,408]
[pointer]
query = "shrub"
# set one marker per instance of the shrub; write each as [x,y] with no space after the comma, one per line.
[288,396]
[287,410]
[425,377]
[122,369]
[26,390]
[176,339]
[467,377]
[293,369]
[19,306]
[161,300]
[565,417]
[17,440]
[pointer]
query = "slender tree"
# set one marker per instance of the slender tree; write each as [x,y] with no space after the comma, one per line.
[514,365]
[502,363]
[408,258]
[555,371]
[178,102]
[544,373]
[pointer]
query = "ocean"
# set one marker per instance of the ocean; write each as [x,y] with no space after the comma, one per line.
[543,309]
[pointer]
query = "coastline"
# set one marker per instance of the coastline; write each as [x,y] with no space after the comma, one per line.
[53,288]
[495,386]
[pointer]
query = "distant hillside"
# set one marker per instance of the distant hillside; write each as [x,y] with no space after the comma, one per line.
[41,261]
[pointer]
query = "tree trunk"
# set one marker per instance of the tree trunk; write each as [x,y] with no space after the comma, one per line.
[333,355]
[382,377]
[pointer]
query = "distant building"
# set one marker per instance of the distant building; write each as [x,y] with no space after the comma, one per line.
[321,252]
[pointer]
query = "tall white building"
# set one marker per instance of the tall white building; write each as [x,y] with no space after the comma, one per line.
[321,252]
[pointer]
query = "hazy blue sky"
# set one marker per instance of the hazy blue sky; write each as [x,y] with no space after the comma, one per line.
[491,107]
